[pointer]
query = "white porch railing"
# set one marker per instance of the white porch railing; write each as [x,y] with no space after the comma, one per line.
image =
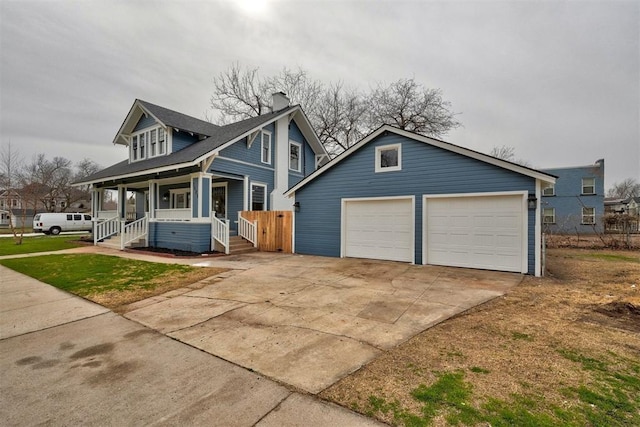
[248,230]
[104,229]
[134,231]
[103,215]
[220,232]
[173,214]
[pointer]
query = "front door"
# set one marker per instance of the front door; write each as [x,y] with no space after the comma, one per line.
[219,199]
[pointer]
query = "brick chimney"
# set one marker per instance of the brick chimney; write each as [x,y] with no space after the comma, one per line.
[280,101]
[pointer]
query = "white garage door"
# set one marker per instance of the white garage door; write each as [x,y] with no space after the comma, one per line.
[484,232]
[379,229]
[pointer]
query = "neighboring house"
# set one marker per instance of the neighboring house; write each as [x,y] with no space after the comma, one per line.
[614,205]
[400,196]
[19,217]
[191,178]
[575,204]
[623,215]
[10,199]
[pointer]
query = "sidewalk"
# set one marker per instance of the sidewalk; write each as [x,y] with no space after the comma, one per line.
[67,361]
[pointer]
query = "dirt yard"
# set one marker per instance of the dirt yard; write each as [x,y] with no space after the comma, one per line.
[559,350]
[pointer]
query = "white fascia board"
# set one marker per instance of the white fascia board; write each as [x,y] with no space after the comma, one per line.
[309,133]
[440,144]
[138,173]
[472,154]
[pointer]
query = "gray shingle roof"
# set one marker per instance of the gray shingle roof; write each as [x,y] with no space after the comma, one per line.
[180,121]
[220,135]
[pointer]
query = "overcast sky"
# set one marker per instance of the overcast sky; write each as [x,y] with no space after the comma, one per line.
[558,81]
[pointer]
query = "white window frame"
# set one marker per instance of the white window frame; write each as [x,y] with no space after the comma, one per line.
[160,147]
[264,134]
[593,186]
[291,144]
[591,215]
[378,163]
[173,196]
[259,184]
[551,187]
[552,216]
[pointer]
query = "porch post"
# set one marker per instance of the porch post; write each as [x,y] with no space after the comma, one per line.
[247,194]
[122,201]
[152,199]
[95,202]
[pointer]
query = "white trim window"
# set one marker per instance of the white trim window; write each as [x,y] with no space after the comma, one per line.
[588,186]
[549,215]
[265,147]
[295,156]
[588,215]
[148,143]
[549,190]
[180,198]
[389,158]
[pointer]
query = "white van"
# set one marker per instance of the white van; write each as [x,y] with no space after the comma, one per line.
[54,223]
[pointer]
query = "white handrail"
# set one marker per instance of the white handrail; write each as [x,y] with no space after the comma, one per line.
[220,232]
[104,229]
[248,230]
[134,231]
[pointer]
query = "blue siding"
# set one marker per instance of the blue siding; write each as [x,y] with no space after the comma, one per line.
[184,236]
[181,140]
[568,200]
[425,170]
[144,122]
[253,155]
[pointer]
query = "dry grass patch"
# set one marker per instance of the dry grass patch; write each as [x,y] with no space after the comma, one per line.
[560,350]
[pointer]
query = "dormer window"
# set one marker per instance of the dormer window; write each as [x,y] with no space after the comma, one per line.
[149,143]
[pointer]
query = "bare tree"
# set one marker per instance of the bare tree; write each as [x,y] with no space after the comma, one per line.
[408,105]
[46,181]
[629,187]
[10,164]
[508,153]
[340,115]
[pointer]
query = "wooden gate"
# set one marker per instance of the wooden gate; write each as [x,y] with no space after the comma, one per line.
[274,229]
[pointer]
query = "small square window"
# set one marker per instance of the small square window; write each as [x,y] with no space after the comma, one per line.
[549,215]
[388,158]
[588,215]
[549,190]
[588,186]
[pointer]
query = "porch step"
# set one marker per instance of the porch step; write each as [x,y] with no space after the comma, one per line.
[114,242]
[238,245]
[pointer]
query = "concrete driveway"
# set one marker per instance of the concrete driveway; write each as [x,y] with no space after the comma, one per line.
[67,361]
[308,321]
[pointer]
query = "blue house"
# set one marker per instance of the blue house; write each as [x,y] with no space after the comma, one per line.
[575,203]
[186,180]
[401,196]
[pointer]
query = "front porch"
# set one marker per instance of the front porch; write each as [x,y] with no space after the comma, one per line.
[188,213]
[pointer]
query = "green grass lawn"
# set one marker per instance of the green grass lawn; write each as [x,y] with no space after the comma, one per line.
[108,280]
[37,244]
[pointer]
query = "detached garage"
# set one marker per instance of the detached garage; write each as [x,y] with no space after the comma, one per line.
[400,196]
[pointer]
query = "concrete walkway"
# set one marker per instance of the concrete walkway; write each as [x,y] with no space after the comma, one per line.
[67,361]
